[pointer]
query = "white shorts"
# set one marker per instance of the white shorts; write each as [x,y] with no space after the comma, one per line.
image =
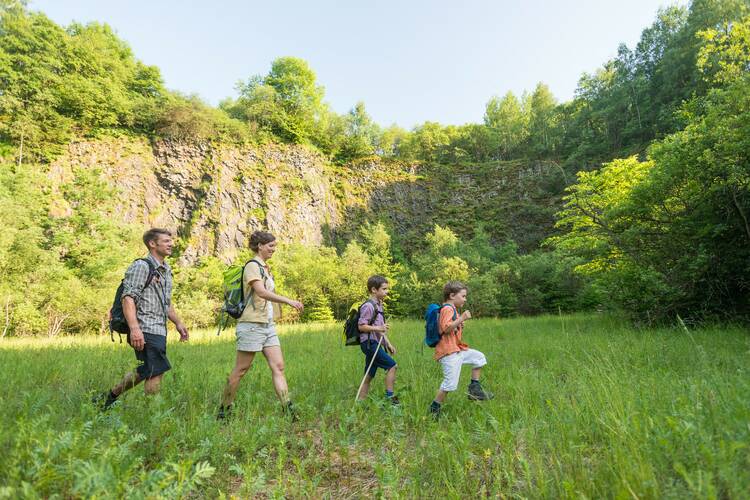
[253,337]
[452,366]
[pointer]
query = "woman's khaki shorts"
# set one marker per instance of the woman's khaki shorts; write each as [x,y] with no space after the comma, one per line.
[253,337]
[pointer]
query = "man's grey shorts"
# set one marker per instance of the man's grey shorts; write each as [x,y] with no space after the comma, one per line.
[253,337]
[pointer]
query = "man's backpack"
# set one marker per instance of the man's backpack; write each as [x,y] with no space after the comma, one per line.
[235,301]
[351,325]
[117,321]
[431,327]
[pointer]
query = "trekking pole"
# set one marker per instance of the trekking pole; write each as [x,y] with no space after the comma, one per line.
[222,320]
[368,369]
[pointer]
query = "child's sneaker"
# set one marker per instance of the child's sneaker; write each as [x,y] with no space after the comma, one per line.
[477,392]
[224,412]
[435,408]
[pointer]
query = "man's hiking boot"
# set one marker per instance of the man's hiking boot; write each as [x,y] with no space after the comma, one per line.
[104,400]
[435,408]
[477,392]
[224,412]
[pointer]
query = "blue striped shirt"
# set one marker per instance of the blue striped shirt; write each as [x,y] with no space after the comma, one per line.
[151,304]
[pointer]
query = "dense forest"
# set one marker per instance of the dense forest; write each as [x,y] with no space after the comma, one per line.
[644,208]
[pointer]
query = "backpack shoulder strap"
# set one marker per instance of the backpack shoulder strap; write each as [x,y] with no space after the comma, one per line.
[261,267]
[242,279]
[454,313]
[375,312]
[451,306]
[151,272]
[262,270]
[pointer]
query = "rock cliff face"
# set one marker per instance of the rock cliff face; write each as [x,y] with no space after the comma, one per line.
[216,196]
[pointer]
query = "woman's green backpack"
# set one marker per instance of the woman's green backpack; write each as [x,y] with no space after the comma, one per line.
[235,301]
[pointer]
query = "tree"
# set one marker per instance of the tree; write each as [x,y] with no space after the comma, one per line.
[543,133]
[508,121]
[725,54]
[671,235]
[287,102]
[360,136]
[390,141]
[428,142]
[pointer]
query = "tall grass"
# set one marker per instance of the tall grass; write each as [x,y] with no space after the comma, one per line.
[585,407]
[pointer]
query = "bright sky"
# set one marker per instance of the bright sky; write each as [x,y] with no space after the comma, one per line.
[409,61]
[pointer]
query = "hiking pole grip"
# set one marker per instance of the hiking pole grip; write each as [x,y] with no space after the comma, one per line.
[368,369]
[221,322]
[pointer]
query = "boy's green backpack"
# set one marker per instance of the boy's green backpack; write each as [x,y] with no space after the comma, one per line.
[235,301]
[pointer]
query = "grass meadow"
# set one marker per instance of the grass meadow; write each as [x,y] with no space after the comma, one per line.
[585,407]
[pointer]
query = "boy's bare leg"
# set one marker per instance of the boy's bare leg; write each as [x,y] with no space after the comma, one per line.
[475,373]
[365,388]
[390,379]
[440,396]
[242,365]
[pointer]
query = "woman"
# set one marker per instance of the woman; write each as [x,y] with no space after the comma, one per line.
[256,331]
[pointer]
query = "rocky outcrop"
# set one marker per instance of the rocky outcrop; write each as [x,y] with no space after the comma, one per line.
[215,196]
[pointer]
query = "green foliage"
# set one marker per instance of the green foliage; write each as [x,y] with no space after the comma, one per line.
[57,83]
[501,282]
[198,293]
[725,54]
[427,142]
[635,98]
[656,237]
[188,119]
[361,135]
[670,236]
[544,123]
[508,119]
[286,103]
[60,254]
[88,463]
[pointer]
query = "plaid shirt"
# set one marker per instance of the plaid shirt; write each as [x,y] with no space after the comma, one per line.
[151,304]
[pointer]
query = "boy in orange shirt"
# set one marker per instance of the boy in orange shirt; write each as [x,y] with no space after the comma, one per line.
[451,352]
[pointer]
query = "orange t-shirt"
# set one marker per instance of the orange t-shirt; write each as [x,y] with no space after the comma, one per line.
[450,342]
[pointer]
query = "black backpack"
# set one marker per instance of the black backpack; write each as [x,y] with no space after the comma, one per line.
[117,321]
[351,325]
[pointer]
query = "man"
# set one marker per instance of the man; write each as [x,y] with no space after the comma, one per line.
[146,309]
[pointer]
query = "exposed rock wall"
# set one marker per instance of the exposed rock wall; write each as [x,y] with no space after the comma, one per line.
[215,196]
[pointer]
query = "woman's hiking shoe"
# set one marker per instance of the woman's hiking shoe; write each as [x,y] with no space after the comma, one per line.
[477,392]
[289,411]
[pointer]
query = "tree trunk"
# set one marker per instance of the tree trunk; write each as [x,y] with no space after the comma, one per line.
[7,317]
[20,151]
[741,212]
